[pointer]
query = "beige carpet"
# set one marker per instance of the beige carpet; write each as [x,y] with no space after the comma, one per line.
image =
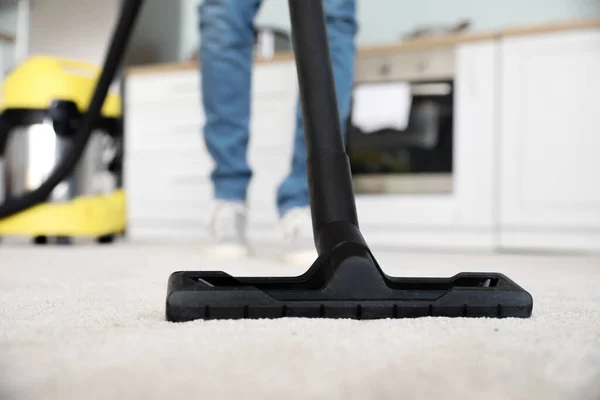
[88,323]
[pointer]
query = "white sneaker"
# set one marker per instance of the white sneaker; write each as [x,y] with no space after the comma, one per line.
[298,243]
[227,230]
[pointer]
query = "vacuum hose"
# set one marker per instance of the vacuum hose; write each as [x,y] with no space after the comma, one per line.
[112,62]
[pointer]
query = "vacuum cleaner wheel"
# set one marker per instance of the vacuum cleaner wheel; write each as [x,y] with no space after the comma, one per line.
[40,240]
[106,239]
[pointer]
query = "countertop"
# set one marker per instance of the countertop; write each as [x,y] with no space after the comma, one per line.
[409,45]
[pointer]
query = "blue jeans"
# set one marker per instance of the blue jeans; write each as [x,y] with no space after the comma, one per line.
[225,57]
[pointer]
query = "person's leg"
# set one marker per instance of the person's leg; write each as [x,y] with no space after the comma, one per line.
[341,30]
[225,59]
[292,195]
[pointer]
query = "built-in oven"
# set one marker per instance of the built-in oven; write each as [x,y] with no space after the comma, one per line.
[400,129]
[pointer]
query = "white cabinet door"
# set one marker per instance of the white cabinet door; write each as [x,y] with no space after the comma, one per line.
[464,217]
[550,133]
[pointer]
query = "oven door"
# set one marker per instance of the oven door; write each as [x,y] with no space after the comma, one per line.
[412,158]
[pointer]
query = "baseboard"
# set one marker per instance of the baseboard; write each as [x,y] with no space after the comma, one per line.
[549,241]
[431,239]
[428,239]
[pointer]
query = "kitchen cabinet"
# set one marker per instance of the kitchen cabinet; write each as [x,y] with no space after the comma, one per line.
[549,137]
[166,164]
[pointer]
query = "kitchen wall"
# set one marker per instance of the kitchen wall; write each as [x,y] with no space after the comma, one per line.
[8,16]
[167,30]
[154,41]
[8,25]
[385,20]
[90,23]
[72,28]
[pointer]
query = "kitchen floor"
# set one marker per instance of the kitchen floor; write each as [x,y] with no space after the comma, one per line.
[87,322]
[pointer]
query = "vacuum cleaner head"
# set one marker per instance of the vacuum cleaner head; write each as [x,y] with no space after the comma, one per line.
[354,288]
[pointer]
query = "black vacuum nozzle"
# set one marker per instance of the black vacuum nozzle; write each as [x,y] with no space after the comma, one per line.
[345,281]
[194,295]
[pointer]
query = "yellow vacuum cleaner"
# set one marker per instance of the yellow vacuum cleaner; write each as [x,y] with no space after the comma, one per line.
[42,105]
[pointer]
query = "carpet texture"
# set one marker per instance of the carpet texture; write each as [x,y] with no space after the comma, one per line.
[88,323]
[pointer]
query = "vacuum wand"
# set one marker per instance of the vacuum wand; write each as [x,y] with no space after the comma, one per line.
[328,167]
